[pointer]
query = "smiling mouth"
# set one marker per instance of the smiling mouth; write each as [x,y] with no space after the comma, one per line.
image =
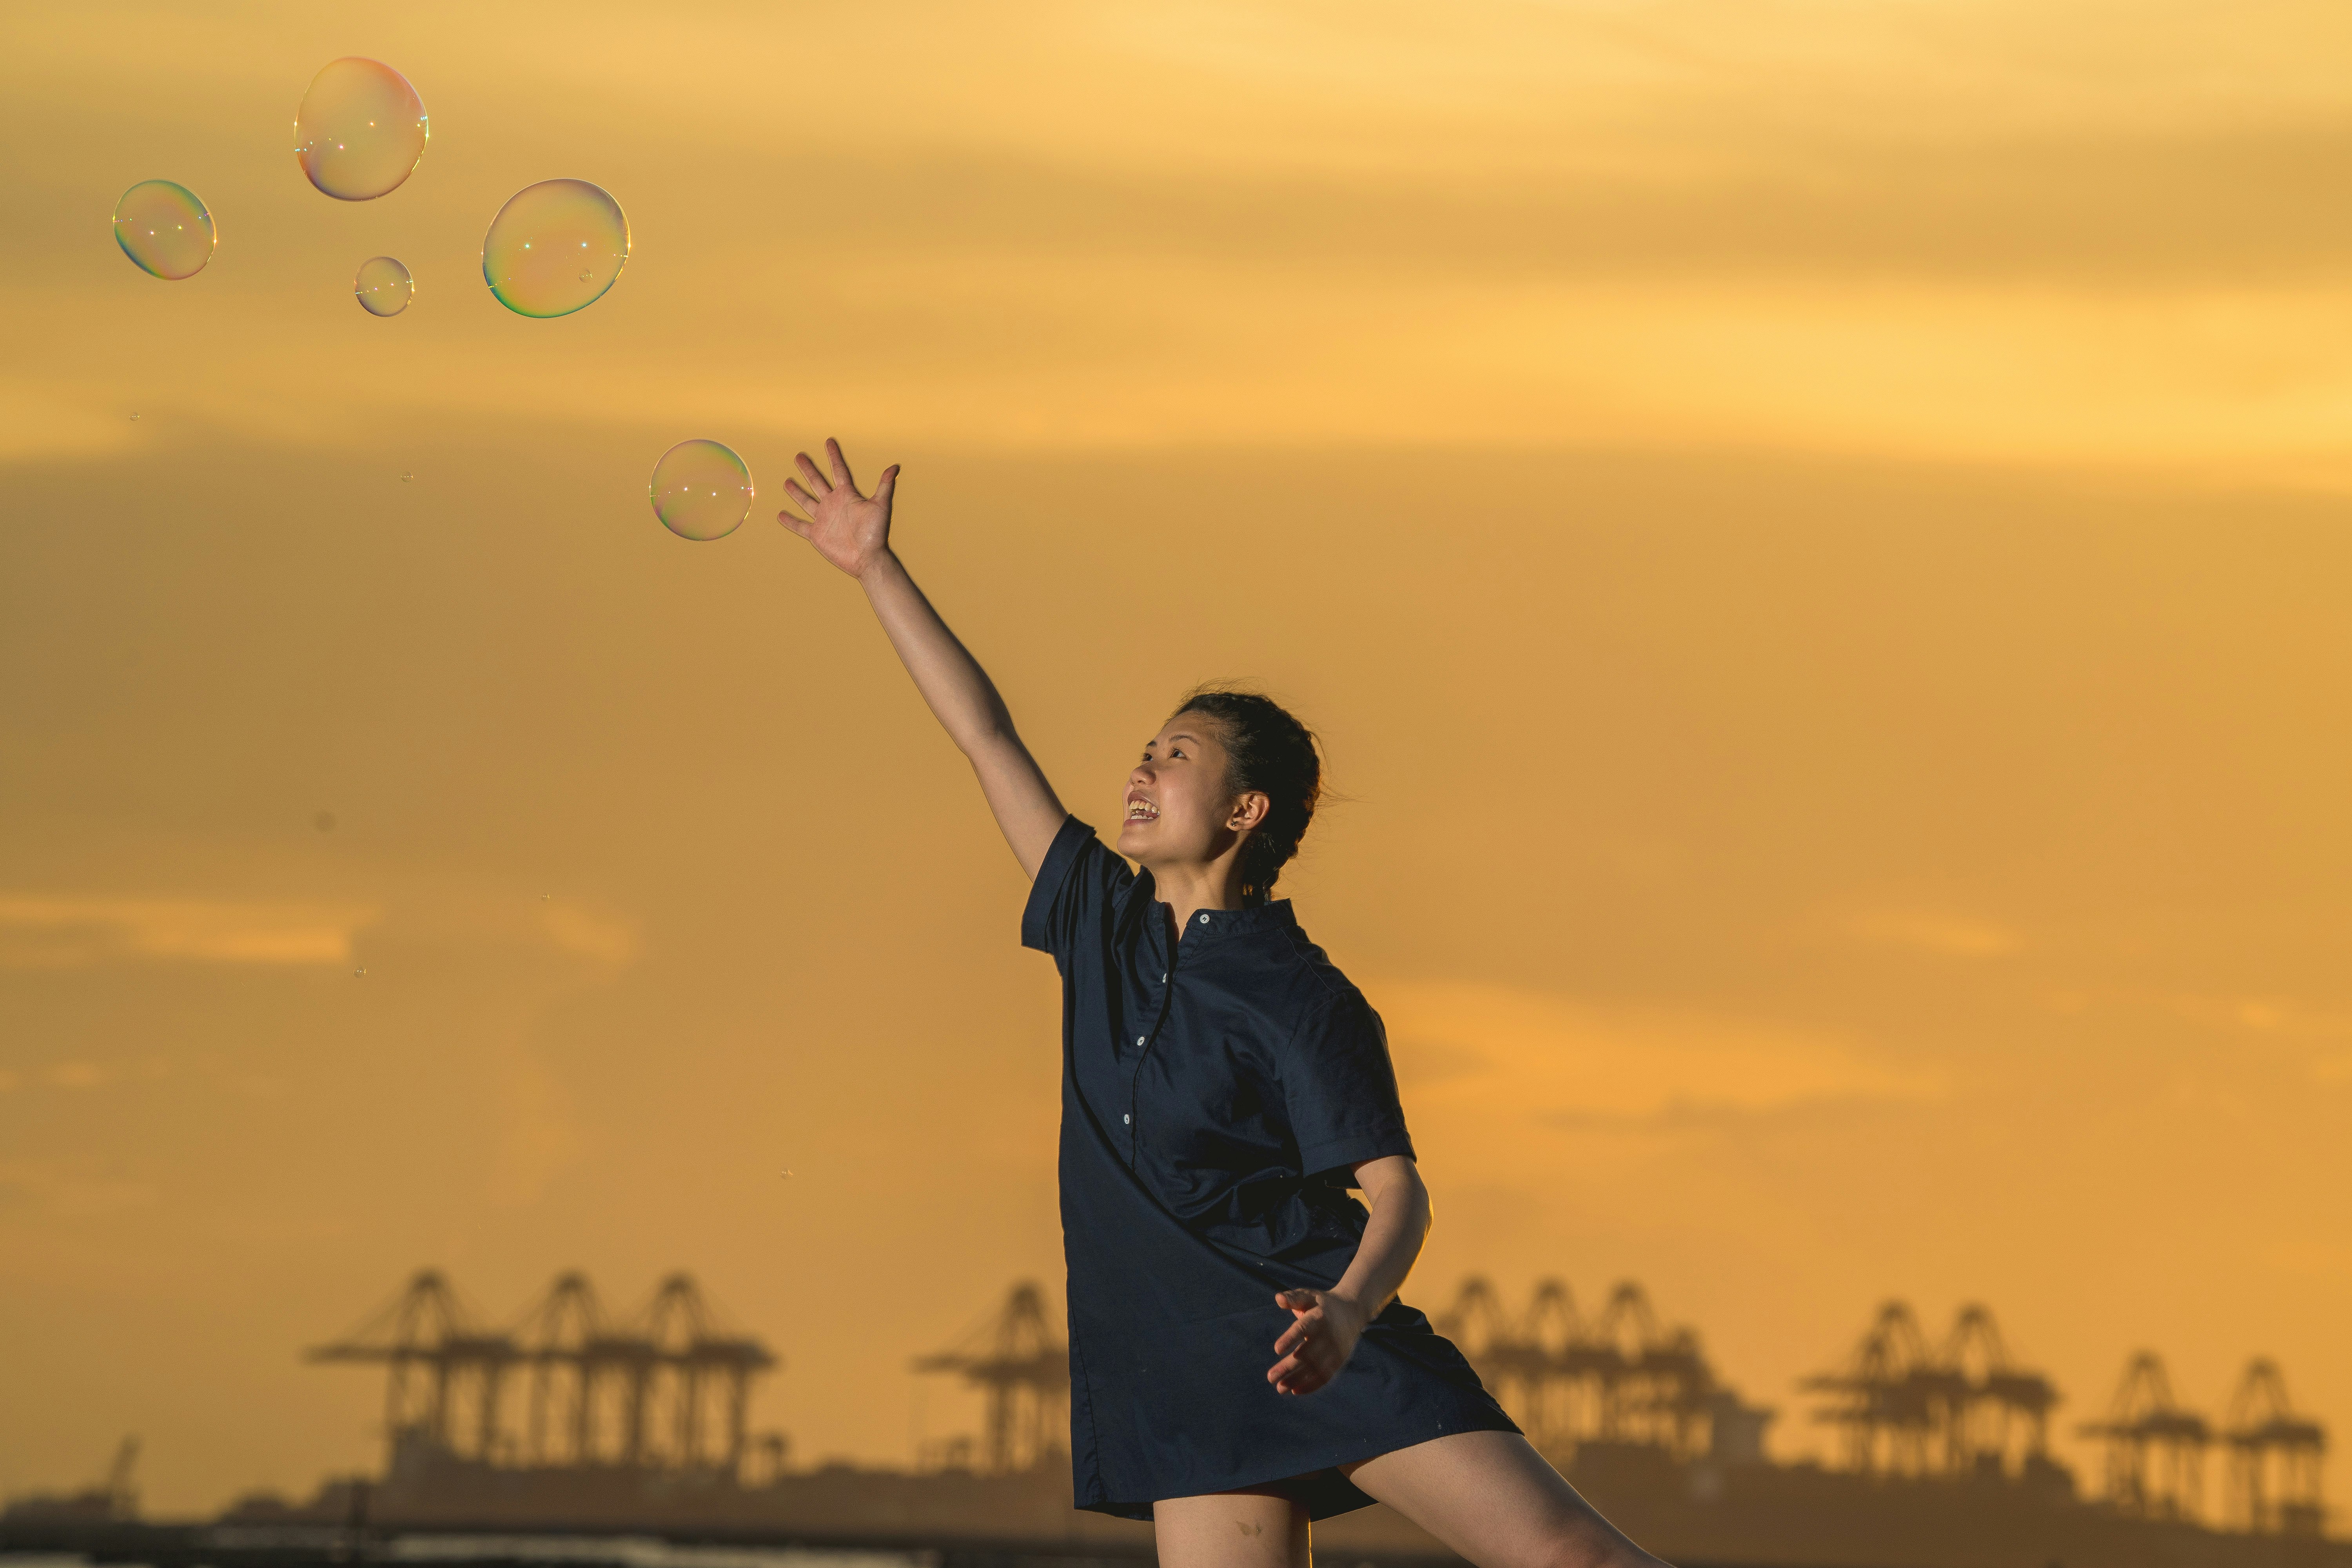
[1141,810]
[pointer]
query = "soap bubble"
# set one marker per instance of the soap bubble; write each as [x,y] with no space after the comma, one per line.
[701,491]
[164,229]
[407,478]
[382,286]
[554,247]
[361,130]
[134,419]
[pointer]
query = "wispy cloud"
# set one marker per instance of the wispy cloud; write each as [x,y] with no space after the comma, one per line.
[1553,1060]
[1928,930]
[44,932]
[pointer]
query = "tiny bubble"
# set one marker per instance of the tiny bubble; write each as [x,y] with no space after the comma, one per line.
[405,479]
[357,973]
[787,1173]
[584,278]
[134,419]
[325,822]
[544,897]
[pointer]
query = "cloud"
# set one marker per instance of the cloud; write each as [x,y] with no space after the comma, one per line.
[1949,935]
[608,938]
[1555,1060]
[68,1190]
[43,933]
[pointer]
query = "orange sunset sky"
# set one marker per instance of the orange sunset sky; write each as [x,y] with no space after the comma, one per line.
[1817,532]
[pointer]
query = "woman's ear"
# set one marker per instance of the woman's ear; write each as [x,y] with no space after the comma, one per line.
[1249,810]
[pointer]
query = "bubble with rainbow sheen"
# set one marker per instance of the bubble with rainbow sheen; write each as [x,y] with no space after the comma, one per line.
[702,490]
[361,131]
[164,229]
[382,286]
[555,247]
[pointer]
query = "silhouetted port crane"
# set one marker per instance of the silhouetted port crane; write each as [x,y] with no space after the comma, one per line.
[2275,1457]
[667,1387]
[1960,1407]
[2155,1448]
[2004,1420]
[1621,1376]
[1892,1397]
[439,1366]
[1015,1356]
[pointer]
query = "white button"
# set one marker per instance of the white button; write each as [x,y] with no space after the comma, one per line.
[1163,977]
[1127,1116]
[1139,1039]
[1204,919]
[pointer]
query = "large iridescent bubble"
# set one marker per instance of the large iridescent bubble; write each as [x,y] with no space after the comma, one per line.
[701,491]
[382,286]
[164,229]
[361,130]
[555,247]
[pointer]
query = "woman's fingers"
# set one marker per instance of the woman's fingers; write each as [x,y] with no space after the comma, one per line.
[806,502]
[885,486]
[796,523]
[816,478]
[840,463]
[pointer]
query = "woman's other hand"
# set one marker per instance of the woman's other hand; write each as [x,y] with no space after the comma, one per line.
[1318,1341]
[850,530]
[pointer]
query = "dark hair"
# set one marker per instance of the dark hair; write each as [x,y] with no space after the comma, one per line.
[1268,751]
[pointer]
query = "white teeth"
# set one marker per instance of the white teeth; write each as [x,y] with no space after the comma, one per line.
[1141,811]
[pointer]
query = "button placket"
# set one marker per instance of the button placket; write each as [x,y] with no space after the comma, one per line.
[1143,1044]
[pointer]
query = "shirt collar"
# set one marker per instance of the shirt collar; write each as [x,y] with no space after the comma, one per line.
[1215,923]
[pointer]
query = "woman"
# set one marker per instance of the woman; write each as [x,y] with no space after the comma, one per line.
[1239,1363]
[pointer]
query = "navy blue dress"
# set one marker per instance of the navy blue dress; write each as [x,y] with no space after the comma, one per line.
[1217,1093]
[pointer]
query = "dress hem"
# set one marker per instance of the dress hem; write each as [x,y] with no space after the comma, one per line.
[1316,1489]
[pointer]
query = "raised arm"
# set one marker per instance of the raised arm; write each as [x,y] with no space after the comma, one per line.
[852,531]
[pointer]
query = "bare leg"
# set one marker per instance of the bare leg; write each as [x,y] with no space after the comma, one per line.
[1493,1499]
[1231,1529]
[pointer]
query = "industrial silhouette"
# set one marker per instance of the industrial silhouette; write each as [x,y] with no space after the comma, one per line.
[665,1387]
[1015,1356]
[1622,1377]
[567,1415]
[2156,1452]
[1909,1408]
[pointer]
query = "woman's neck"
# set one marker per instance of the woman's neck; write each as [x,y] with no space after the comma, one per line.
[1188,889]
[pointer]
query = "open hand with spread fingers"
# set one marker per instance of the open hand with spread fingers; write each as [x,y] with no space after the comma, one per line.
[1322,1336]
[850,530]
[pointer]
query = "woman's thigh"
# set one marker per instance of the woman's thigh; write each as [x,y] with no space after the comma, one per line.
[1230,1530]
[1493,1499]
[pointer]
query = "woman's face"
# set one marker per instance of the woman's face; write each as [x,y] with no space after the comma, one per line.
[1178,810]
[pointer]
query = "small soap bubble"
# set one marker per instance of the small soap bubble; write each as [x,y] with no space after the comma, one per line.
[325,822]
[535,242]
[361,130]
[382,286]
[164,229]
[408,478]
[134,419]
[788,1173]
[701,491]
[357,973]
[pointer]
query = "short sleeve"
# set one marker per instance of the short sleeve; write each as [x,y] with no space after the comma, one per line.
[1077,884]
[1340,1090]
